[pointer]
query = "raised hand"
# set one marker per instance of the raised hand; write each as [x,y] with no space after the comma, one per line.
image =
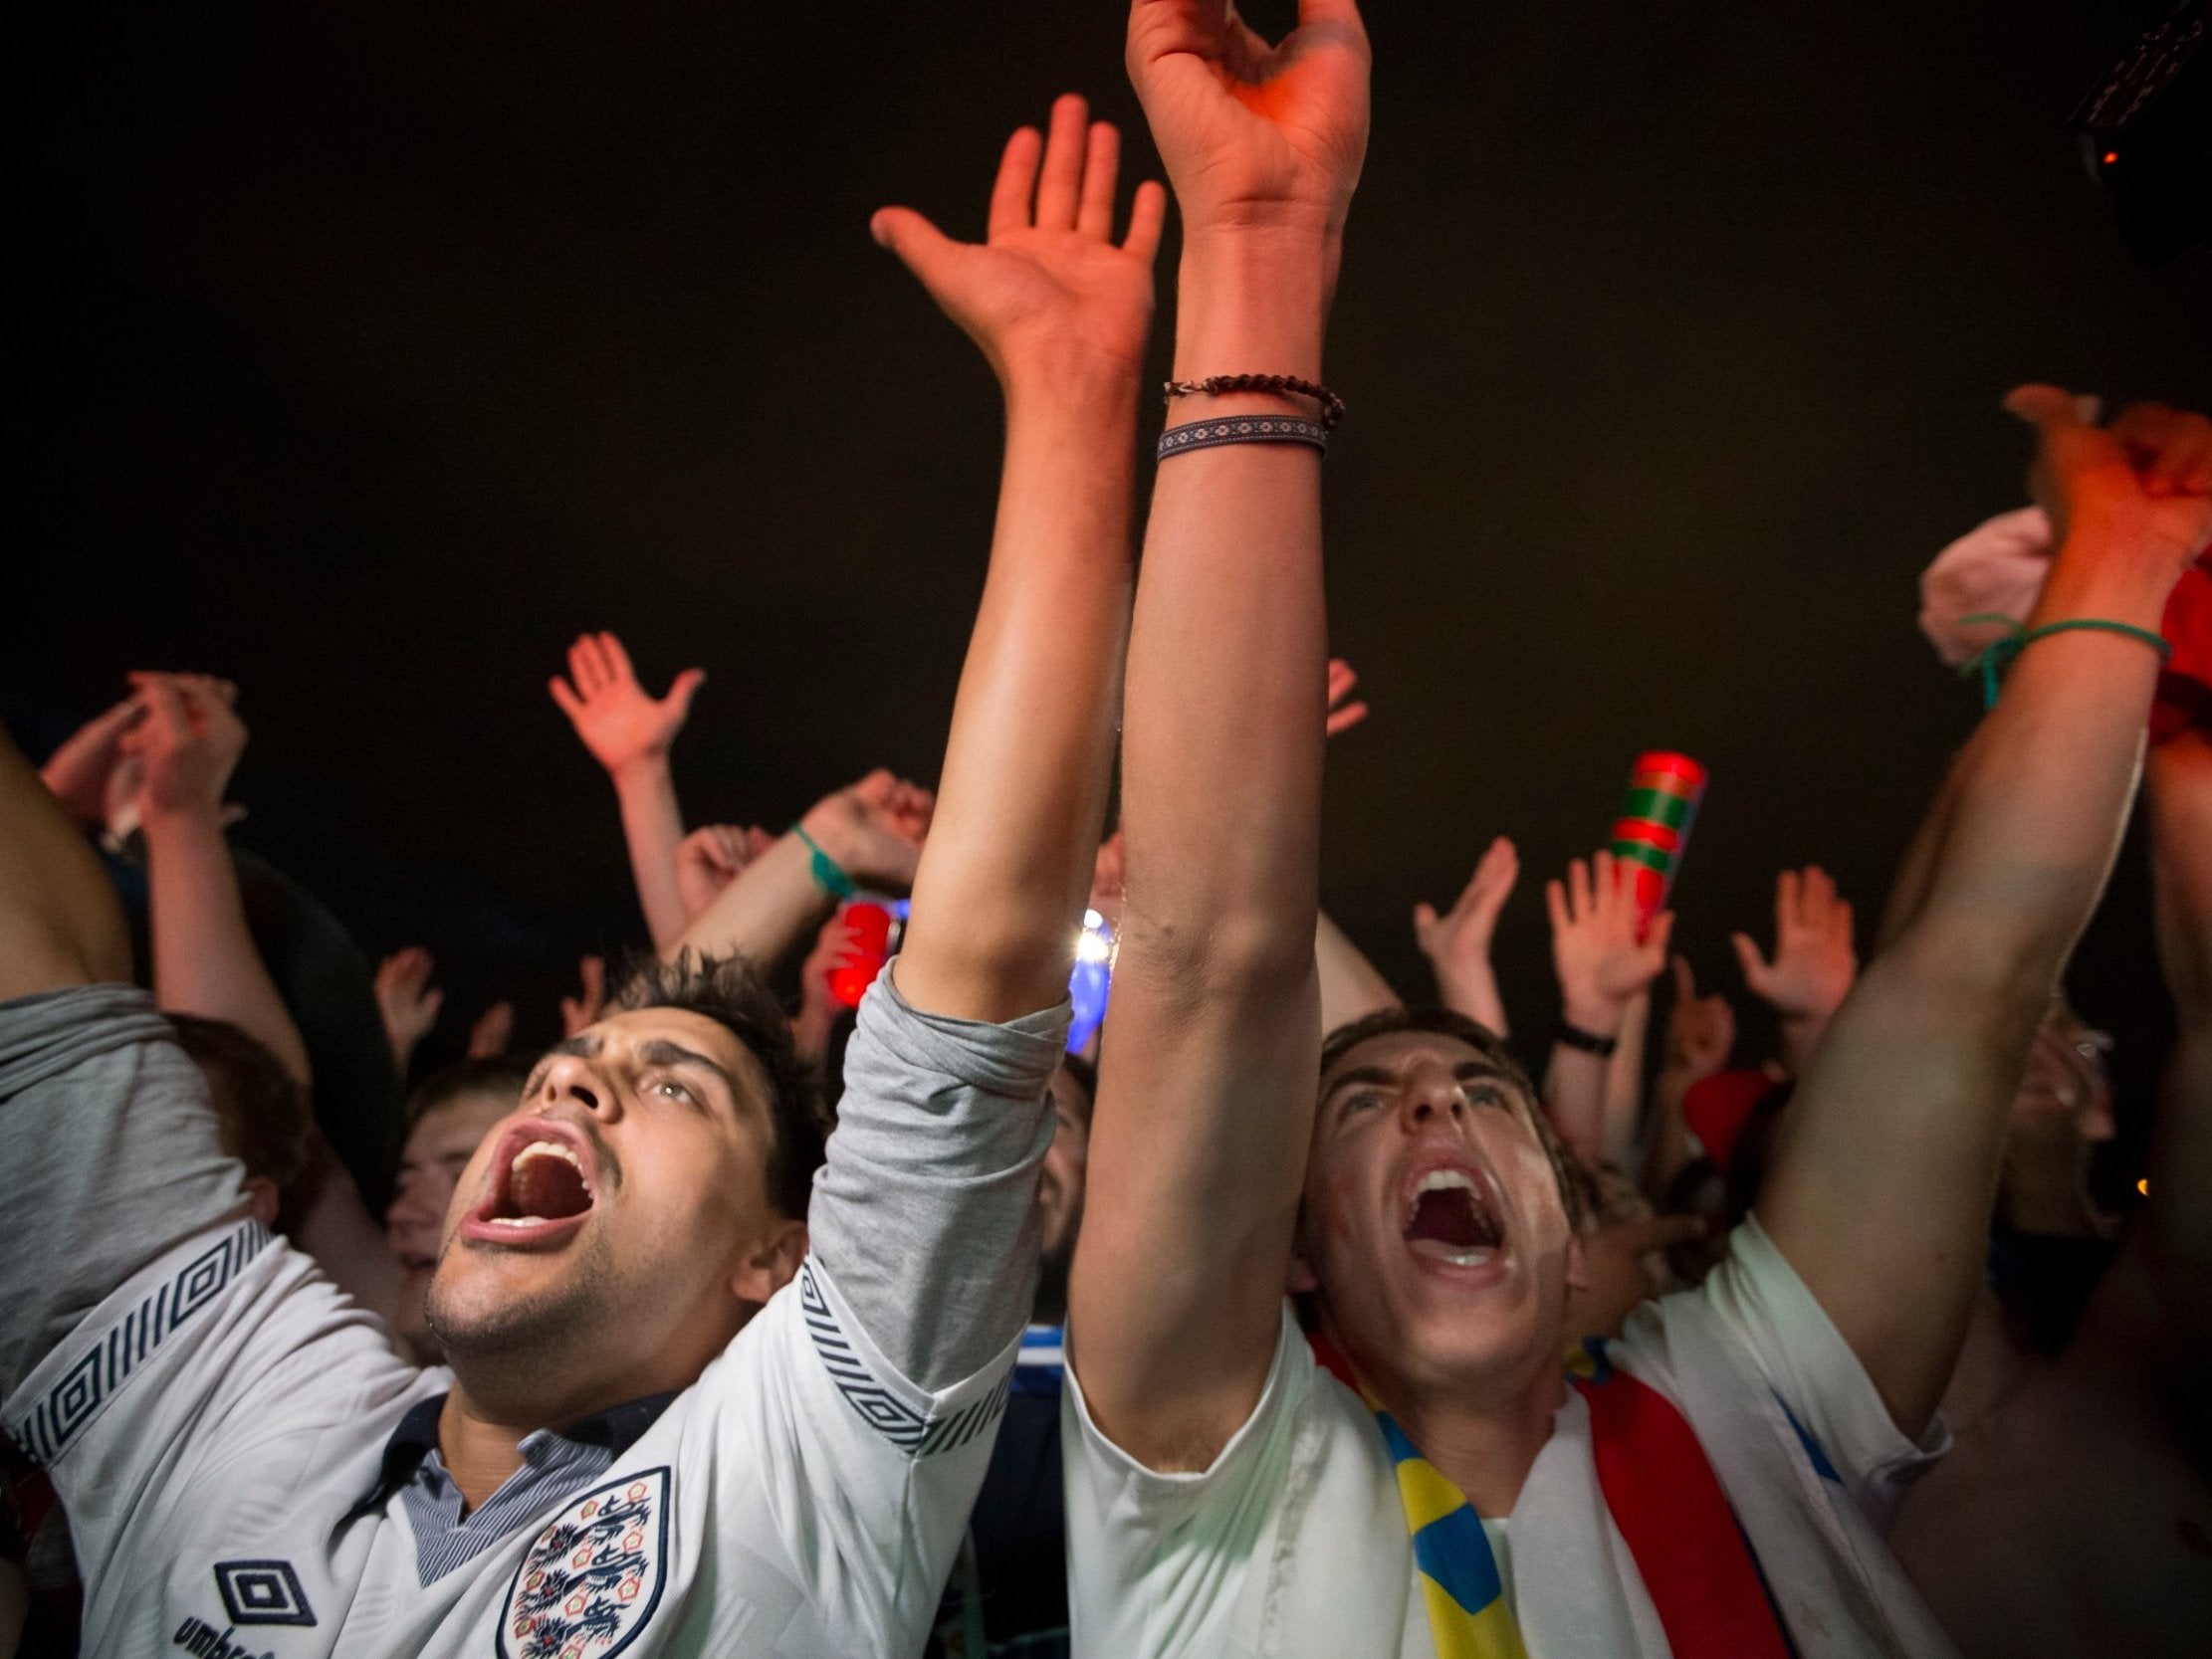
[1047,289]
[1457,943]
[618,723]
[577,1012]
[2145,481]
[709,858]
[1813,963]
[874,829]
[187,743]
[407,1001]
[1460,938]
[1700,1032]
[1597,951]
[492,1031]
[1253,135]
[79,771]
[1343,681]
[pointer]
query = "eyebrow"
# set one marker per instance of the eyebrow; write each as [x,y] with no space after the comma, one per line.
[661,1051]
[1382,1075]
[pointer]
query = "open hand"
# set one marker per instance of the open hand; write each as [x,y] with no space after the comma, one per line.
[1813,963]
[577,1012]
[1596,950]
[1460,939]
[1047,289]
[407,1001]
[620,723]
[189,743]
[1700,1030]
[2145,481]
[874,829]
[709,858]
[1252,135]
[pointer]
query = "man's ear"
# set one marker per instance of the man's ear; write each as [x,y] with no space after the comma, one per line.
[262,1193]
[1578,1263]
[770,1266]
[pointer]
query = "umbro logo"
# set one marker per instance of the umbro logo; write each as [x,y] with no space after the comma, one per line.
[262,1593]
[253,1592]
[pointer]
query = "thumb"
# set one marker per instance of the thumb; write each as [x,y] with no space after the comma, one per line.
[2050,408]
[1754,965]
[1424,918]
[680,694]
[920,245]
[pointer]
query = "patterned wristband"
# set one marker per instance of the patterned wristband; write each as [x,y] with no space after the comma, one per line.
[828,874]
[1242,429]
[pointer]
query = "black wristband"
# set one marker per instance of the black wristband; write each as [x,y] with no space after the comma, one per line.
[1573,1036]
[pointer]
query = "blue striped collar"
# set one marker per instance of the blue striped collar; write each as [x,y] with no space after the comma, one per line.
[416,1438]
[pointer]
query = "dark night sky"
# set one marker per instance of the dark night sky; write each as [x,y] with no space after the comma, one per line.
[366,354]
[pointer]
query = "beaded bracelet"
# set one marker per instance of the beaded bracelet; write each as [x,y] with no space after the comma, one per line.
[1241,429]
[1219,386]
[1991,662]
[828,874]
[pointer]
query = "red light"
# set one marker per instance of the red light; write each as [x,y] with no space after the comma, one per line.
[2110,156]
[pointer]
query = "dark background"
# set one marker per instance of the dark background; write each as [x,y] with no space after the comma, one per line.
[367,353]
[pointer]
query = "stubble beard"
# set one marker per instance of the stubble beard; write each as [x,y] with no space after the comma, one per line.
[525,1331]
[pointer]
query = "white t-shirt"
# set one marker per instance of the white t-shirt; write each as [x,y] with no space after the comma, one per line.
[1294,1543]
[215,1425]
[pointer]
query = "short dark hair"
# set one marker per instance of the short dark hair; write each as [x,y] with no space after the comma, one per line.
[491,1074]
[1486,1042]
[730,991]
[262,1111]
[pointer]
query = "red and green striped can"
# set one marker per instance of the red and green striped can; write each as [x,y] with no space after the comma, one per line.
[1653,827]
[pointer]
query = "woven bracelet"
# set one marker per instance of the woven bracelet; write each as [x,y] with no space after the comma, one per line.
[1220,385]
[1991,662]
[1242,429]
[828,874]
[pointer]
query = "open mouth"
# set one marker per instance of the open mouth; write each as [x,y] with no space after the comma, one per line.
[540,1185]
[1450,1218]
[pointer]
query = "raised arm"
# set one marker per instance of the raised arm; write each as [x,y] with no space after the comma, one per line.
[1605,968]
[867,835]
[629,734]
[1209,1065]
[1061,311]
[205,961]
[1884,1169]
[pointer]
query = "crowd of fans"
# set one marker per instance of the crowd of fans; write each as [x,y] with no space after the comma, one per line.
[1289,1311]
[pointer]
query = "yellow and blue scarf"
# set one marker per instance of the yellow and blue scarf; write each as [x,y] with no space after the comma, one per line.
[1662,1494]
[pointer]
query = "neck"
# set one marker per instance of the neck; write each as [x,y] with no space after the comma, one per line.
[479,1452]
[1484,1440]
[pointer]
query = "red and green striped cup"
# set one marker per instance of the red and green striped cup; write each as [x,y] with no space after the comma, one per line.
[1653,826]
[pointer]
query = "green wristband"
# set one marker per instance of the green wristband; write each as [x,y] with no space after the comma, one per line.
[828,874]
[1992,662]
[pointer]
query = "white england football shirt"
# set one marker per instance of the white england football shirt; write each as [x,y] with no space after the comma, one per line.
[215,1418]
[1293,1544]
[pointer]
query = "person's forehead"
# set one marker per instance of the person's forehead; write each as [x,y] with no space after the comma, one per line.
[459,1123]
[1399,1051]
[631,1033]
